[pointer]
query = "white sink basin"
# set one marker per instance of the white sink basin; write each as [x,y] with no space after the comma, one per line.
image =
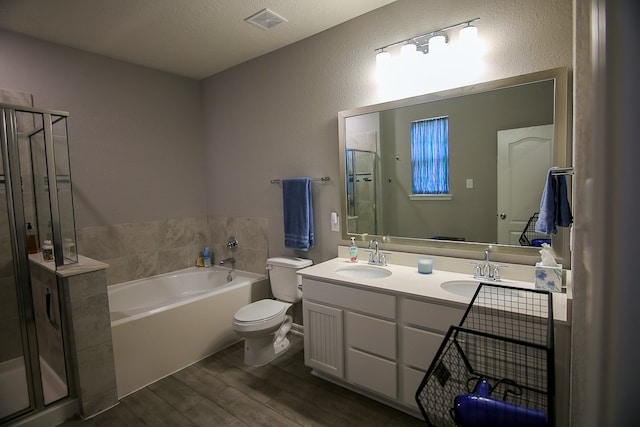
[465,288]
[363,272]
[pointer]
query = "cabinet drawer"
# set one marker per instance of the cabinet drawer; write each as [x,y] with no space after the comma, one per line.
[372,372]
[381,305]
[411,379]
[420,347]
[429,315]
[372,335]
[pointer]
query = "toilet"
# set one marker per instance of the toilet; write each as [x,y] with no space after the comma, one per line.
[264,324]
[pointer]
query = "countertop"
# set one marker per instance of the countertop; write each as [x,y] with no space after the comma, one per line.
[406,280]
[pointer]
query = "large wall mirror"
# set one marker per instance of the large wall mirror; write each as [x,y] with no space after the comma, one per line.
[503,136]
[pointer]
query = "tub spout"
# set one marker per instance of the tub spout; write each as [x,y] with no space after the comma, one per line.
[231,261]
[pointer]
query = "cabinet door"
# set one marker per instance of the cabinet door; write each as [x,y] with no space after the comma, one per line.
[411,379]
[323,338]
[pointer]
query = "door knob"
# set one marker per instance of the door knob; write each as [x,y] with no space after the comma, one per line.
[503,216]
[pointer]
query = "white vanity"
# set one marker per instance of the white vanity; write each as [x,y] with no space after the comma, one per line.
[376,330]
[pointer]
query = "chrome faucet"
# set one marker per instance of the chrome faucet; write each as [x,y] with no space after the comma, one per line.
[487,271]
[376,257]
[231,261]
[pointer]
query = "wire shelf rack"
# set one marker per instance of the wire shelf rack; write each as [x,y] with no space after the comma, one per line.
[497,367]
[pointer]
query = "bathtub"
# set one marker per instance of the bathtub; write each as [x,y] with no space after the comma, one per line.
[164,323]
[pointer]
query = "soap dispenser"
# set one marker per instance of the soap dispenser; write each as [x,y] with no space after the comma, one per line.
[353,251]
[206,255]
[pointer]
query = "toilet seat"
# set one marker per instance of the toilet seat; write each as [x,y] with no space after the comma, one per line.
[260,315]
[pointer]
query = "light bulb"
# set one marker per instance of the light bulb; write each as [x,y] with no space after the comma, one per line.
[437,44]
[408,50]
[383,58]
[469,34]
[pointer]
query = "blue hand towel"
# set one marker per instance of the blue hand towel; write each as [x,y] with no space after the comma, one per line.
[298,213]
[554,205]
[563,209]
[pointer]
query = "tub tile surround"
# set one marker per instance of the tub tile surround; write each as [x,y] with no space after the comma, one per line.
[144,249]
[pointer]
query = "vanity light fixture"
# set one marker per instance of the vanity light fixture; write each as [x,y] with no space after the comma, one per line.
[433,41]
[430,62]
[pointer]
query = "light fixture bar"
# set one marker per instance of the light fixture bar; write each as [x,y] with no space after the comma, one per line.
[415,39]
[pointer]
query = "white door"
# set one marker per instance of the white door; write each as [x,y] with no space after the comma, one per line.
[524,157]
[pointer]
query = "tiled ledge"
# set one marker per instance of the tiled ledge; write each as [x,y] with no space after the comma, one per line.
[84,265]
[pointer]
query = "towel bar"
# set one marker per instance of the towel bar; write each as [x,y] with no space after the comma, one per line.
[324,178]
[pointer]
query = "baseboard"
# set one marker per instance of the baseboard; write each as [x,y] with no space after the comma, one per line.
[297,329]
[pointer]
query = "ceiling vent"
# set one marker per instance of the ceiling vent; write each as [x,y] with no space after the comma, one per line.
[266,19]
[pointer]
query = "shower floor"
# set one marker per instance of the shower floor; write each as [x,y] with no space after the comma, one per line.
[14,394]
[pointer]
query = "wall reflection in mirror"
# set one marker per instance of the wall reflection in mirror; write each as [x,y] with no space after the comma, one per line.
[503,137]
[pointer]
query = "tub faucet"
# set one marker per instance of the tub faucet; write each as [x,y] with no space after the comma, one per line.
[231,261]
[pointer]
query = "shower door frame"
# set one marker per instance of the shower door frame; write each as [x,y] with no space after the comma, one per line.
[9,147]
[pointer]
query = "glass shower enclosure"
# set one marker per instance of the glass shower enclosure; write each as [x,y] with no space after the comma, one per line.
[35,189]
[362,189]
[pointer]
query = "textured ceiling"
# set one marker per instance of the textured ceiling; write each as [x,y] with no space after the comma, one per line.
[192,38]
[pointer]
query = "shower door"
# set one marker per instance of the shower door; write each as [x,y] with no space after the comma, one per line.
[33,367]
[361,192]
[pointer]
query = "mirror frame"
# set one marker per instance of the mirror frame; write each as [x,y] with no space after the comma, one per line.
[562,158]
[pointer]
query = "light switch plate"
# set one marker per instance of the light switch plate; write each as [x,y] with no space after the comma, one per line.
[335,224]
[469,182]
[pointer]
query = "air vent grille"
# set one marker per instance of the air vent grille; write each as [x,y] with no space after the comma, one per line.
[266,19]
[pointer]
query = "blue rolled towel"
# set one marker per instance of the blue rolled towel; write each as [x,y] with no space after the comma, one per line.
[563,209]
[546,223]
[554,205]
[298,213]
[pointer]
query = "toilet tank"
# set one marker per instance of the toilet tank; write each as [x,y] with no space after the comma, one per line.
[285,283]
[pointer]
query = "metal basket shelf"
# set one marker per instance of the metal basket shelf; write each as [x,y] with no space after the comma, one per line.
[497,367]
[530,237]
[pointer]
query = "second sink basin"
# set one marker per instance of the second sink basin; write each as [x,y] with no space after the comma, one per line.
[465,288]
[363,272]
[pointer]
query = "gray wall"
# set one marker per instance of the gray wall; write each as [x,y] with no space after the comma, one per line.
[138,137]
[135,134]
[275,116]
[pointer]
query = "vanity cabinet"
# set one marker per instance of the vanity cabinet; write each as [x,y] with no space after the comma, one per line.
[374,341]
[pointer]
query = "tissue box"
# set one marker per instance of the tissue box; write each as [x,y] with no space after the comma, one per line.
[549,278]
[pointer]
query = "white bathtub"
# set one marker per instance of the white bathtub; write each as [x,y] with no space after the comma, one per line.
[164,323]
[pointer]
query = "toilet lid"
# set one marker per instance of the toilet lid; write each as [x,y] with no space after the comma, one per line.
[261,310]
